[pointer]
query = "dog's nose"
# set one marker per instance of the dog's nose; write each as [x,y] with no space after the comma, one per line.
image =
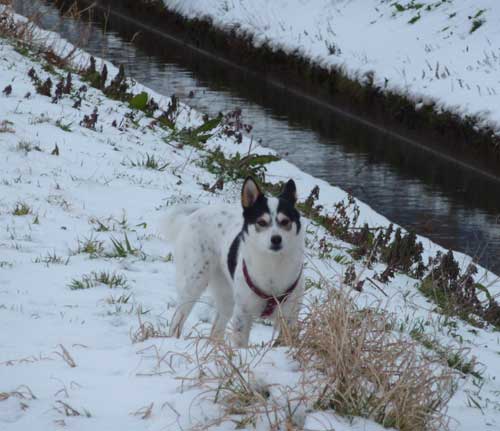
[276,240]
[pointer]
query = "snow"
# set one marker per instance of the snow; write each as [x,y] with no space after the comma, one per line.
[77,346]
[424,49]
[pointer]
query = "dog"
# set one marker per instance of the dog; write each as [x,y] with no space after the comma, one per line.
[251,260]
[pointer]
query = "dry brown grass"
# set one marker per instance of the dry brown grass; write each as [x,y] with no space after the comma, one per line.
[23,392]
[227,378]
[12,28]
[357,365]
[66,356]
[27,36]
[146,330]
[351,362]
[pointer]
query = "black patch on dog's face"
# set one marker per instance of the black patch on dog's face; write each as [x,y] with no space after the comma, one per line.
[287,208]
[253,213]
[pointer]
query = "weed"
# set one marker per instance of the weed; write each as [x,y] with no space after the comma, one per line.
[90,246]
[414,19]
[44,88]
[139,101]
[168,118]
[118,87]
[401,253]
[237,167]
[234,126]
[456,292]
[5,126]
[100,226]
[168,258]
[93,77]
[7,90]
[21,209]
[90,121]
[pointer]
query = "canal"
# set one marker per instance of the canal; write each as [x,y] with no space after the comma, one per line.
[454,204]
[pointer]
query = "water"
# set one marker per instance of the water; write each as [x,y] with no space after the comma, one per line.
[418,189]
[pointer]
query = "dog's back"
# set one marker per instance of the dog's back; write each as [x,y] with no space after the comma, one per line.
[175,219]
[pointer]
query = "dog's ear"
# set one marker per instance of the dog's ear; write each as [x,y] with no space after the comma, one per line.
[289,192]
[249,193]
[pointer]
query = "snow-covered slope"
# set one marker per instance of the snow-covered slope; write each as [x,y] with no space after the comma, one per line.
[447,51]
[73,356]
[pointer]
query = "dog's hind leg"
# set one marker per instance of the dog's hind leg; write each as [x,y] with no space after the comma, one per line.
[191,282]
[222,293]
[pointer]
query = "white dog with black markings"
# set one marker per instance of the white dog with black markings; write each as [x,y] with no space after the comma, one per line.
[252,263]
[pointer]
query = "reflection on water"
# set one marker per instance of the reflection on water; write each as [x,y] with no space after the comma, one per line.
[455,207]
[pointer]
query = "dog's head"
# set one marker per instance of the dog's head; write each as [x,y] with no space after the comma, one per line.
[271,224]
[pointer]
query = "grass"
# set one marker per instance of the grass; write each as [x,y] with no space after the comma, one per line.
[122,299]
[351,360]
[123,248]
[6,126]
[147,330]
[27,147]
[52,259]
[94,279]
[21,209]
[363,368]
[109,223]
[64,127]
[453,357]
[476,24]
[149,162]
[66,410]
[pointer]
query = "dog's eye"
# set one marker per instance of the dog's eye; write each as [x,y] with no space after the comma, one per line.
[285,222]
[262,223]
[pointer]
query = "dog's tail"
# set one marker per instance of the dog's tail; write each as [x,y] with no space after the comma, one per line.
[172,222]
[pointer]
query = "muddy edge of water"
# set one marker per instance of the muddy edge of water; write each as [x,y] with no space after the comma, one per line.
[446,132]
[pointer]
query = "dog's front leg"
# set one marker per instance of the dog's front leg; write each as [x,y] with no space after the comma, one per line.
[241,323]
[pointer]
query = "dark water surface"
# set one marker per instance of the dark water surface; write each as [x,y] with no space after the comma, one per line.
[454,206]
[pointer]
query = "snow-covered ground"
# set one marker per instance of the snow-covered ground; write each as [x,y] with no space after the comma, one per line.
[73,357]
[447,51]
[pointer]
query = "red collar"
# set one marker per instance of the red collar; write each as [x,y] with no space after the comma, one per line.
[272,301]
